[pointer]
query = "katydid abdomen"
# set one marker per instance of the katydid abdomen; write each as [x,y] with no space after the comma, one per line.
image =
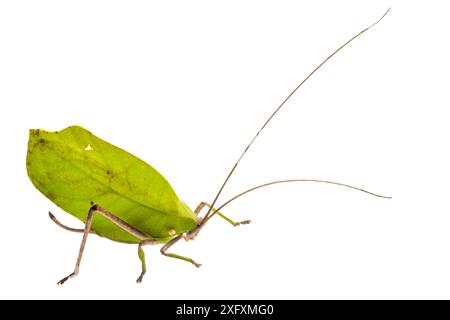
[75,169]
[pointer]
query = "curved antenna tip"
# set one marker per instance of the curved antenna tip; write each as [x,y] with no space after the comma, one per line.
[384,15]
[301,180]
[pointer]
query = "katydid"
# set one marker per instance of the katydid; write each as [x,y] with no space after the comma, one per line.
[122,198]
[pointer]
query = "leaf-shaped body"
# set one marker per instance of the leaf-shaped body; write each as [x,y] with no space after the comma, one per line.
[75,169]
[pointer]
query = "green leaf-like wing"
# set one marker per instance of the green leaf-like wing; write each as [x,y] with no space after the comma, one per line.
[75,169]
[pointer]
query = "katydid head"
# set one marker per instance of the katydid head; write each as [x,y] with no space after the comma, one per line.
[192,234]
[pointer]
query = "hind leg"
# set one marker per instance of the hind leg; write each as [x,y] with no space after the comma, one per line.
[99,210]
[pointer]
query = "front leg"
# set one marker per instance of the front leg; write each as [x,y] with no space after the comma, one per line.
[205,204]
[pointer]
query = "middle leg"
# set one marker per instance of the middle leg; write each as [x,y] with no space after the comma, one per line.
[141,255]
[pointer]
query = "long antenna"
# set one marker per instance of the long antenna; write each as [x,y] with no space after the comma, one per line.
[299,180]
[267,184]
[210,213]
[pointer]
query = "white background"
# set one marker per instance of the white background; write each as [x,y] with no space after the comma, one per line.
[185,85]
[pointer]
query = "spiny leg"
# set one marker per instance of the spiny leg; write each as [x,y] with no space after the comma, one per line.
[205,204]
[176,256]
[142,256]
[119,222]
[59,224]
